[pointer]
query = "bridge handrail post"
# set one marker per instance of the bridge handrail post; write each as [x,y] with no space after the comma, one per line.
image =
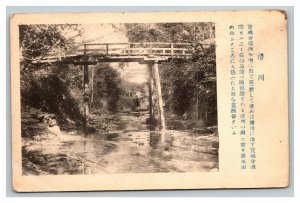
[150,48]
[84,51]
[129,49]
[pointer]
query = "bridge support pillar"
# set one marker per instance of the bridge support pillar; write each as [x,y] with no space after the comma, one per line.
[86,91]
[86,94]
[150,85]
[159,96]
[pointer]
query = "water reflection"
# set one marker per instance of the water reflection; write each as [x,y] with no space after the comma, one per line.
[154,139]
[133,148]
[152,151]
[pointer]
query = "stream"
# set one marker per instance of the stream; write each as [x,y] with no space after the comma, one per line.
[127,147]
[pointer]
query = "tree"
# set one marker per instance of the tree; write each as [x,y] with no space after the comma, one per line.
[193,79]
[46,87]
[36,41]
[107,87]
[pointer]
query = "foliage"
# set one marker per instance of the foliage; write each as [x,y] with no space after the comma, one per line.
[188,91]
[36,41]
[170,32]
[107,85]
[47,87]
[185,82]
[51,93]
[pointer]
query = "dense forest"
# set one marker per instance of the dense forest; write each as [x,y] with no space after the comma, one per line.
[188,85]
[97,118]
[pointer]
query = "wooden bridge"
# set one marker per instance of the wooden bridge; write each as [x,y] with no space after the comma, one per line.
[149,53]
[122,52]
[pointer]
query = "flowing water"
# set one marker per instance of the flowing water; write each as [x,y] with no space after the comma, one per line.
[129,147]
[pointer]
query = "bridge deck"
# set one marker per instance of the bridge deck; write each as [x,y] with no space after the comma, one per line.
[122,52]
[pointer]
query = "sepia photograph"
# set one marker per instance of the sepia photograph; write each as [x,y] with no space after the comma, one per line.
[149,100]
[118,98]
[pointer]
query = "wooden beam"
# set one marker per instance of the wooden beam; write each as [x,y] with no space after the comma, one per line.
[159,96]
[92,85]
[86,91]
[150,83]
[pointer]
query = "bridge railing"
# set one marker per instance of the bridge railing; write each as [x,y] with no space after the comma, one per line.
[126,50]
[134,49]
